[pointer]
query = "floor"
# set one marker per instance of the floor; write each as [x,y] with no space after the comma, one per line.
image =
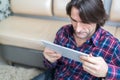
[16,72]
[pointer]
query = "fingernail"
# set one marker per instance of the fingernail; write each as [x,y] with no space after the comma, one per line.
[91,55]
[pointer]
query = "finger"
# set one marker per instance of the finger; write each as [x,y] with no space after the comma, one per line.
[52,58]
[52,54]
[47,50]
[90,55]
[89,65]
[89,70]
[56,55]
[92,60]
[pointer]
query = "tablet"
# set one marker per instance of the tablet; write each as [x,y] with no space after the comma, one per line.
[64,51]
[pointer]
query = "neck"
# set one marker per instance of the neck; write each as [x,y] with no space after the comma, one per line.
[79,41]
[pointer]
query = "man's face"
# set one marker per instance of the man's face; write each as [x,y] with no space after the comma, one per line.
[82,30]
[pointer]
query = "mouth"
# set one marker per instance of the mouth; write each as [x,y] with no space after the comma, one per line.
[81,34]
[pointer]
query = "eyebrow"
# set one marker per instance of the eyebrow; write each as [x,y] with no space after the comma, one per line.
[73,19]
[78,21]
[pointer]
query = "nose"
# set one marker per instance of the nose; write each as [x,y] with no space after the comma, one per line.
[78,27]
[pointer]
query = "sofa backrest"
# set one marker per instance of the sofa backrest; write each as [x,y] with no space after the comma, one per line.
[32,7]
[40,7]
[59,8]
[115,16]
[115,11]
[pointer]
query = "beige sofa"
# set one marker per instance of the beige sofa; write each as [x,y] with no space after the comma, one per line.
[33,20]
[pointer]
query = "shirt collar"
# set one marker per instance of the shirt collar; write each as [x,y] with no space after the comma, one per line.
[96,36]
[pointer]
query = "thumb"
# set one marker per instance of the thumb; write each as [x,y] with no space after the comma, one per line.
[90,55]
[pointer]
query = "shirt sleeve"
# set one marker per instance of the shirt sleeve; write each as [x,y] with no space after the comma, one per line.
[48,64]
[113,72]
[114,68]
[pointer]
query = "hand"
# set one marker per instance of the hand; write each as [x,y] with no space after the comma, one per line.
[51,55]
[96,66]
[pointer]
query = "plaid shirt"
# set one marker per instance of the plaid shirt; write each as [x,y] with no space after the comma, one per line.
[102,43]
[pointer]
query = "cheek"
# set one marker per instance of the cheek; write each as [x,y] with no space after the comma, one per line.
[74,25]
[92,28]
[88,29]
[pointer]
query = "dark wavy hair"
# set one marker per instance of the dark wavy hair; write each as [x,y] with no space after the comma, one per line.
[90,11]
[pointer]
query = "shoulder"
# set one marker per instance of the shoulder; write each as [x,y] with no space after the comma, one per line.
[108,38]
[66,29]
[107,42]
[63,33]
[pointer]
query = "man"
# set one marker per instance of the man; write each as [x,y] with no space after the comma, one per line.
[86,35]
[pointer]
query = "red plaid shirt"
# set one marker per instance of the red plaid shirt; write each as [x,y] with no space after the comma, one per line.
[102,43]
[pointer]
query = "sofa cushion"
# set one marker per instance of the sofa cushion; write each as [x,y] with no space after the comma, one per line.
[32,7]
[59,8]
[115,11]
[111,29]
[117,34]
[27,32]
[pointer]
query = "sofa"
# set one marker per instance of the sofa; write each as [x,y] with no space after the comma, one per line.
[35,20]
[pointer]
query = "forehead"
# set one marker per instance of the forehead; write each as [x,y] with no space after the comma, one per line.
[75,14]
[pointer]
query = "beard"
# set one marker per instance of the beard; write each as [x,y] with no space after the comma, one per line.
[82,35]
